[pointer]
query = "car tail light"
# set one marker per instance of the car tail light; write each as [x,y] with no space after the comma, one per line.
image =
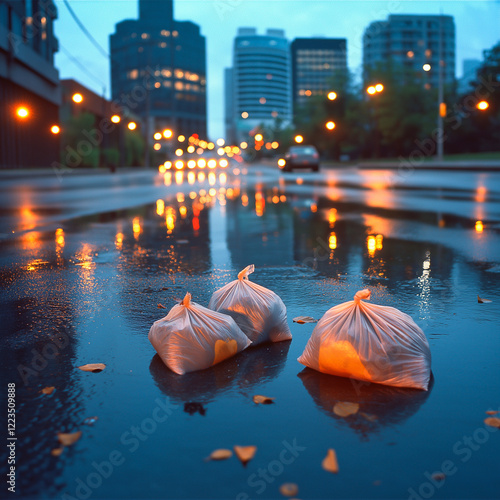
[315,155]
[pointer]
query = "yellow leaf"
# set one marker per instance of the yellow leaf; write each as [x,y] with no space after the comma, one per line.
[289,489]
[483,301]
[220,454]
[304,319]
[245,453]
[330,463]
[67,439]
[368,416]
[344,409]
[263,400]
[48,390]
[57,451]
[93,367]
[224,349]
[492,421]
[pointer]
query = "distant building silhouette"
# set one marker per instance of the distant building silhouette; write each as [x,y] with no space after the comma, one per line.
[409,42]
[260,84]
[469,69]
[29,84]
[314,62]
[158,69]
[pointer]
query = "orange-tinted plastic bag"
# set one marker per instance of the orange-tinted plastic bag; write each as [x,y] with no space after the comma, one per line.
[258,311]
[370,342]
[192,337]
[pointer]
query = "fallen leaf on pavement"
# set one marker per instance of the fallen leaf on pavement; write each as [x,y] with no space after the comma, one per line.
[263,400]
[289,489]
[344,409]
[330,463]
[67,439]
[483,301]
[48,390]
[220,454]
[304,319]
[492,421]
[93,367]
[245,453]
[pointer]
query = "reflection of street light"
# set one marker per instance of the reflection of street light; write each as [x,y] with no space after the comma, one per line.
[55,129]
[132,125]
[115,119]
[332,96]
[78,98]
[299,139]
[330,125]
[482,105]
[22,112]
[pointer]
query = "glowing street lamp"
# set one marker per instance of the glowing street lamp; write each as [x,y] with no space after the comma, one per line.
[330,125]
[116,119]
[157,136]
[132,126]
[22,112]
[371,89]
[379,87]
[258,137]
[299,139]
[167,133]
[78,98]
[332,96]
[482,105]
[426,67]
[55,129]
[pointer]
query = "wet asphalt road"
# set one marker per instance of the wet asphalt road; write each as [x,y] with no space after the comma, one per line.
[86,259]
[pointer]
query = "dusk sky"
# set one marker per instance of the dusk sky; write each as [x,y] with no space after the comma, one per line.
[477,28]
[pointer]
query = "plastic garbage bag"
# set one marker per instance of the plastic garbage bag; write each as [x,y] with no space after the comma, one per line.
[192,337]
[369,342]
[259,312]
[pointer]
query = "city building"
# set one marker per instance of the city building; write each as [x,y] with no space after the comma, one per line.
[158,70]
[29,84]
[413,44]
[469,69]
[260,85]
[315,61]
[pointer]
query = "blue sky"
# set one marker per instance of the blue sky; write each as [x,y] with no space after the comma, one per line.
[477,25]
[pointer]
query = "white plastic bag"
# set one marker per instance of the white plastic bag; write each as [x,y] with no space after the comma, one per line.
[369,342]
[259,312]
[192,337]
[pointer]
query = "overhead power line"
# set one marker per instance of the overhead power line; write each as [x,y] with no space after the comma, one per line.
[85,30]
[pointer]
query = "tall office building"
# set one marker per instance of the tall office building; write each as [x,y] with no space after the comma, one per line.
[413,43]
[30,92]
[158,69]
[260,85]
[314,63]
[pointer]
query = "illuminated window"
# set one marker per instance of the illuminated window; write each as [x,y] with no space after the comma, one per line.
[175,33]
[145,36]
[165,33]
[179,86]
[133,74]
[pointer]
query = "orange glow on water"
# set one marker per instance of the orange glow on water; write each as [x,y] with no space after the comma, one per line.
[479,226]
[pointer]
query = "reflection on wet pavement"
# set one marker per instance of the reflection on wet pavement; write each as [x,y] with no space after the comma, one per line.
[81,285]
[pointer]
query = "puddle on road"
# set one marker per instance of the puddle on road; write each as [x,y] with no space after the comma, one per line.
[89,291]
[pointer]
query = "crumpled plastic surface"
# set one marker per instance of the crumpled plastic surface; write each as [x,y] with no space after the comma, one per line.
[192,337]
[258,311]
[369,342]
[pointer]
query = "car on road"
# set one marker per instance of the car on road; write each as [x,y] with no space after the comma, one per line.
[300,157]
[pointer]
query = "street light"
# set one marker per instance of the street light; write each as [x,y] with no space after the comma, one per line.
[167,133]
[116,119]
[259,137]
[482,105]
[371,90]
[157,136]
[379,87]
[132,126]
[78,98]
[332,96]
[299,139]
[426,67]
[374,89]
[330,125]
[22,112]
[55,129]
